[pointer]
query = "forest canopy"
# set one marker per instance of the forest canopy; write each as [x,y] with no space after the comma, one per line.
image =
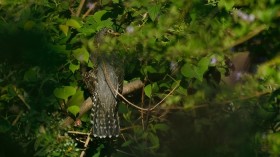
[201,77]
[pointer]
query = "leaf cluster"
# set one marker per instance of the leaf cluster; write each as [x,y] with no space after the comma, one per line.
[183,51]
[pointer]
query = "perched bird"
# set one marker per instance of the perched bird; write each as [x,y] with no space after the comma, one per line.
[103,82]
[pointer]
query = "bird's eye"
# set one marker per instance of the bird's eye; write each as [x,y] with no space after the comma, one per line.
[110,31]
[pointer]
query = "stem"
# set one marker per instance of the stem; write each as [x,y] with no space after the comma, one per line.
[80,8]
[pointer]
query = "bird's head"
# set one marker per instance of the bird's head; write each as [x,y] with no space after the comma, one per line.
[105,32]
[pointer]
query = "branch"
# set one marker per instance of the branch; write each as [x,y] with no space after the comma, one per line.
[17,118]
[249,35]
[91,7]
[85,145]
[135,85]
[87,104]
[20,96]
[80,8]
[132,86]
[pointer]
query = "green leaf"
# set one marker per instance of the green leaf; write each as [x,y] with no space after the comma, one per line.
[155,87]
[77,98]
[81,54]
[5,127]
[202,67]
[95,23]
[64,92]
[127,143]
[29,25]
[73,23]
[187,71]
[85,118]
[151,88]
[55,153]
[149,69]
[74,109]
[122,108]
[31,74]
[154,140]
[266,15]
[191,71]
[116,1]
[98,15]
[127,116]
[148,90]
[105,2]
[204,63]
[11,90]
[64,29]
[87,30]
[37,142]
[105,23]
[74,67]
[98,151]
[227,4]
[154,11]
[161,127]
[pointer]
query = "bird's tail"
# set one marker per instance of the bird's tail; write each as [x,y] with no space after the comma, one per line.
[104,114]
[105,124]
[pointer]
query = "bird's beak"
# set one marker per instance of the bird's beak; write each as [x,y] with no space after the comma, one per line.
[116,34]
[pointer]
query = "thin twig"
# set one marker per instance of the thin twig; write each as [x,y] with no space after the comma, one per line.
[89,10]
[83,153]
[113,89]
[248,36]
[87,140]
[129,146]
[142,104]
[22,98]
[177,85]
[77,132]
[128,128]
[87,104]
[118,150]
[17,118]
[80,7]
[130,103]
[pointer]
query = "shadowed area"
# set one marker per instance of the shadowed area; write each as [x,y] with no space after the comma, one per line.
[29,47]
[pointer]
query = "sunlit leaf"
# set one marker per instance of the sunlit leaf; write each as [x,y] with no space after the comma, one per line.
[77,99]
[149,69]
[98,15]
[154,11]
[95,23]
[73,23]
[64,92]
[202,67]
[227,4]
[64,29]
[148,90]
[187,70]
[74,67]
[74,109]
[81,54]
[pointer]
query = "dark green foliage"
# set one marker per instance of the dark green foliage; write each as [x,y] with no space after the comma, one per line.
[186,53]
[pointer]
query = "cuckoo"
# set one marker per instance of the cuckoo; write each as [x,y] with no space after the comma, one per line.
[104,81]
